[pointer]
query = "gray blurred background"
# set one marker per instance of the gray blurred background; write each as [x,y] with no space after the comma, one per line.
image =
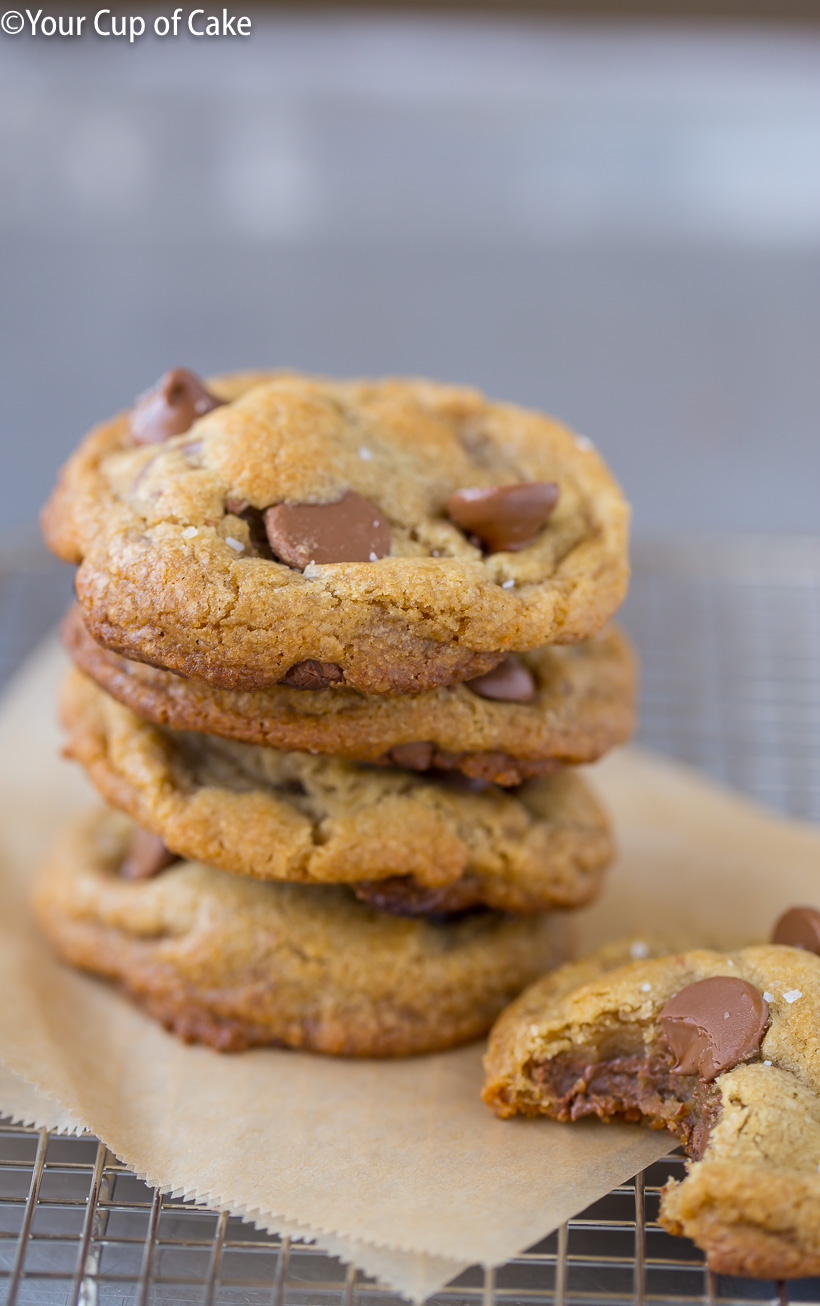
[617,222]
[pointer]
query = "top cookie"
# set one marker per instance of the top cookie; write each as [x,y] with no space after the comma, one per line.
[389,536]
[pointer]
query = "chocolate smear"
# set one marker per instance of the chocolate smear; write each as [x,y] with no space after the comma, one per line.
[349,530]
[504,517]
[714,1024]
[146,856]
[510,682]
[799,927]
[171,407]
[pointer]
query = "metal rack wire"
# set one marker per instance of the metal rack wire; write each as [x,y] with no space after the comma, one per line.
[729,633]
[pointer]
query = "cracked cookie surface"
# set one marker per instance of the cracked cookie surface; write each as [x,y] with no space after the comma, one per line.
[589,1039]
[583,704]
[174,540]
[235,962]
[291,816]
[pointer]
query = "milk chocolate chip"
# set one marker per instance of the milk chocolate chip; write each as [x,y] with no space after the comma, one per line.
[313,674]
[171,407]
[416,756]
[510,682]
[349,530]
[146,856]
[504,516]
[799,927]
[714,1024]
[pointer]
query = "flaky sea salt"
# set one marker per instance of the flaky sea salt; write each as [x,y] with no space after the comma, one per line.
[374,557]
[791,995]
[237,545]
[365,453]
[645,988]
[508,584]
[584,442]
[768,997]
[638,950]
[189,532]
[767,1063]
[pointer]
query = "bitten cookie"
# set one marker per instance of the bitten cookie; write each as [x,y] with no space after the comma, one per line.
[408,843]
[722,1049]
[235,962]
[387,535]
[553,705]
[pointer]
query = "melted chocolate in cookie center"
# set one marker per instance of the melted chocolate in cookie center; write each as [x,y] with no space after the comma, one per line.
[637,1086]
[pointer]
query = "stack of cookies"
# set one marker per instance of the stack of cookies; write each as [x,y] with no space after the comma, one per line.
[337,648]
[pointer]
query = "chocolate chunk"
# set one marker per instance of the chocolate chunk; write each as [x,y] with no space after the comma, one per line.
[146,856]
[171,407]
[349,530]
[799,927]
[312,674]
[402,896]
[510,682]
[714,1024]
[504,517]
[415,756]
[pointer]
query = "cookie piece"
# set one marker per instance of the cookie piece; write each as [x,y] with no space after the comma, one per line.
[235,962]
[582,704]
[291,816]
[301,528]
[721,1048]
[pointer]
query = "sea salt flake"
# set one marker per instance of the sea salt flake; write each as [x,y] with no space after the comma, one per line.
[189,532]
[725,1015]
[365,453]
[584,442]
[767,1063]
[508,584]
[791,995]
[638,950]
[768,997]
[374,557]
[237,545]
[645,988]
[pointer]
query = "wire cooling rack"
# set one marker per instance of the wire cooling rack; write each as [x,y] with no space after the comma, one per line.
[729,633]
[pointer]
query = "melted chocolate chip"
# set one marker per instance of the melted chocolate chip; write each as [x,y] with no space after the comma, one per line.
[312,674]
[799,927]
[415,756]
[401,896]
[349,530]
[510,682]
[146,856]
[714,1024]
[171,407]
[504,517]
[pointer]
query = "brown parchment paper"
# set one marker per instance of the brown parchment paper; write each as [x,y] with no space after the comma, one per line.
[396,1166]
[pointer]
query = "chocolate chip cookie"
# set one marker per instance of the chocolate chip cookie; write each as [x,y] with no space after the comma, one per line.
[235,962]
[722,1049]
[558,704]
[409,843]
[390,536]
